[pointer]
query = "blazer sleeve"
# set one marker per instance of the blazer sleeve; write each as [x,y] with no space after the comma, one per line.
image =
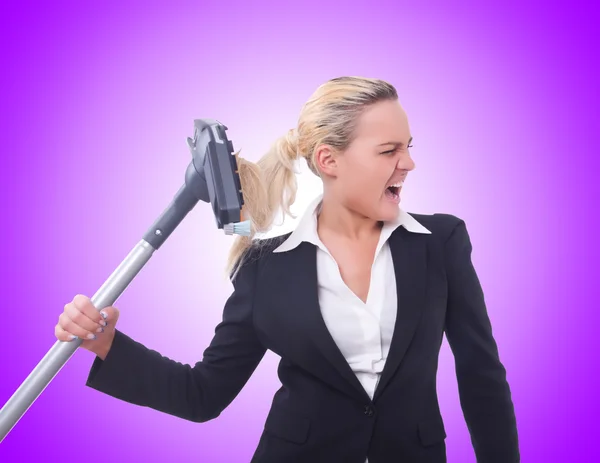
[133,373]
[483,389]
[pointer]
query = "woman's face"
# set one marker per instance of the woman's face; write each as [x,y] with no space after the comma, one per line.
[378,157]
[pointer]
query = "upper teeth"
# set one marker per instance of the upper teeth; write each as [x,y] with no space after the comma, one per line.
[397,185]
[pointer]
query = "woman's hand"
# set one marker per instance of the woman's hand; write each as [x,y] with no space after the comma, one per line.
[80,319]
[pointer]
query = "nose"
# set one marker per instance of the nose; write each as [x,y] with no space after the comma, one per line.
[405,163]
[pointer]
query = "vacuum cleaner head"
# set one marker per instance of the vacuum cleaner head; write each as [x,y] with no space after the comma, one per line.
[213,162]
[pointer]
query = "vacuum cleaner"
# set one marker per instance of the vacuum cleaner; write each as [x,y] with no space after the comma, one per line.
[212,177]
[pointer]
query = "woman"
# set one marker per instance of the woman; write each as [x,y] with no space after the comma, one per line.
[355,302]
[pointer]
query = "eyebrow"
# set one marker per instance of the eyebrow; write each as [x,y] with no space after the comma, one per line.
[396,143]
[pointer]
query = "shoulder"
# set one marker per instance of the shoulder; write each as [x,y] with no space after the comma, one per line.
[261,249]
[259,252]
[442,225]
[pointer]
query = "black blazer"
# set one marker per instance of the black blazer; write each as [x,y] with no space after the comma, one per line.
[321,413]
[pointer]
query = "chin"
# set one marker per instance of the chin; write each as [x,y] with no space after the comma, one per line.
[390,217]
[388,212]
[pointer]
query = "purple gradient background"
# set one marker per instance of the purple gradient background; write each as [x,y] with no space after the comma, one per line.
[97,102]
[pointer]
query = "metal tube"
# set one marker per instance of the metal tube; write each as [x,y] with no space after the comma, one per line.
[61,351]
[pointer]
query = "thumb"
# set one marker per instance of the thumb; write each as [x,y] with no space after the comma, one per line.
[110,315]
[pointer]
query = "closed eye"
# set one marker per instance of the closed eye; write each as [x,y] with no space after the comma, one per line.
[394,150]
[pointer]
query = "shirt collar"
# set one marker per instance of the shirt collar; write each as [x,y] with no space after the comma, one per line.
[306,229]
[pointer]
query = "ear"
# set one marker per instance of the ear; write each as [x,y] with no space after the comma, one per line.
[326,160]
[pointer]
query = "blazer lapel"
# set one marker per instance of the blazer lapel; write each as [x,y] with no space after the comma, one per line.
[303,293]
[303,313]
[409,254]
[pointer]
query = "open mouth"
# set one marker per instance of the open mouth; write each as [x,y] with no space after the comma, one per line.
[393,191]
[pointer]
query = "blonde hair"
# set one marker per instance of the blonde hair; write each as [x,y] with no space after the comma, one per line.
[328,117]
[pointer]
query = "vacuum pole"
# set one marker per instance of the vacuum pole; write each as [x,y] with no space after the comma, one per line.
[109,292]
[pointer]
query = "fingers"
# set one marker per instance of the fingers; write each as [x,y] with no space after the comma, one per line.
[83,305]
[80,319]
[63,335]
[73,327]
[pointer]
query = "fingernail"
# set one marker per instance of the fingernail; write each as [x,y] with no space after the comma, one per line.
[73,337]
[102,322]
[91,336]
[103,314]
[100,330]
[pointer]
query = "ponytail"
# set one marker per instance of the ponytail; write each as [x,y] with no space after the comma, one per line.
[268,186]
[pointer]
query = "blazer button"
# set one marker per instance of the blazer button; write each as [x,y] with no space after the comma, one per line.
[369,410]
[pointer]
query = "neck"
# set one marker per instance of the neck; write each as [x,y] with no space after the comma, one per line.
[335,219]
